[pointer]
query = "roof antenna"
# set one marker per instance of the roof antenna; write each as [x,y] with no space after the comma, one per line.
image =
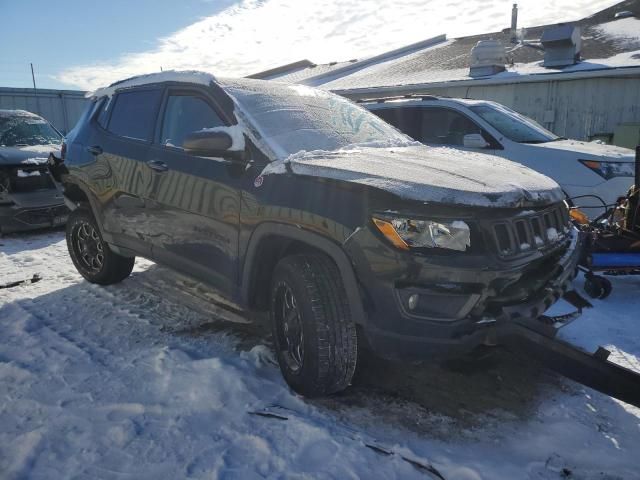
[514,23]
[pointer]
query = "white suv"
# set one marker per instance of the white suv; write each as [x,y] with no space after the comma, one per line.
[591,174]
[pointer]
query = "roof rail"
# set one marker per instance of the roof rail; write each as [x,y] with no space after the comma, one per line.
[411,96]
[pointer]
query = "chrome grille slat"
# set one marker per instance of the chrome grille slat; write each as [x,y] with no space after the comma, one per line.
[530,232]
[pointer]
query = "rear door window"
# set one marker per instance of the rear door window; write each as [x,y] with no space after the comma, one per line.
[445,126]
[134,114]
[184,115]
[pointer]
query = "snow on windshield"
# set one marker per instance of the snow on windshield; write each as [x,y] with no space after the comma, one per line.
[293,118]
[24,128]
[512,125]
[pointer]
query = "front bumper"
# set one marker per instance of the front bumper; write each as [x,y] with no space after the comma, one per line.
[460,305]
[15,218]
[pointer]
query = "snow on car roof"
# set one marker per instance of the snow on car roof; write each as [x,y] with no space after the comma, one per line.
[17,113]
[185,76]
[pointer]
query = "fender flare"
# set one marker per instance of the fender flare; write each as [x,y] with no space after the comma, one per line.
[330,248]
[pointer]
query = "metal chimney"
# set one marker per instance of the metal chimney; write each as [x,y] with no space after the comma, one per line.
[514,23]
[562,44]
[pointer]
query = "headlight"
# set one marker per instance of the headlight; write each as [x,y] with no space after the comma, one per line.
[609,170]
[407,233]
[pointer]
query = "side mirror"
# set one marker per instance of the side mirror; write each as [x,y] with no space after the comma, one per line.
[211,144]
[474,140]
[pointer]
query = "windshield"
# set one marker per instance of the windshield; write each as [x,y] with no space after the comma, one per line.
[514,126]
[19,130]
[292,118]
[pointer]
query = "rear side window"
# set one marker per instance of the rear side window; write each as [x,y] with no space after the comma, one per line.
[441,126]
[186,114]
[407,120]
[447,127]
[134,114]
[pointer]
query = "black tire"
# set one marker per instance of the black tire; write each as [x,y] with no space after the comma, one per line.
[318,320]
[91,255]
[597,286]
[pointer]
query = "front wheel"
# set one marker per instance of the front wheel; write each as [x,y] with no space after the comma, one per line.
[315,336]
[90,254]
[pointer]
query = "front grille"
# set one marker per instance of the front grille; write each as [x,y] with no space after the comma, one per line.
[42,216]
[531,231]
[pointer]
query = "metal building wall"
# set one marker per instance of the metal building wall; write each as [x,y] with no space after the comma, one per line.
[579,108]
[60,107]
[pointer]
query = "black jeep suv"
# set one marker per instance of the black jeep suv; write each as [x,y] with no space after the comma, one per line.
[295,201]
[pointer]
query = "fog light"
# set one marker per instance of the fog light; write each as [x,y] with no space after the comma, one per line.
[412,302]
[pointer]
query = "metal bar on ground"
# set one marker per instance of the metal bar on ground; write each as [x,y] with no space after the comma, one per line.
[591,370]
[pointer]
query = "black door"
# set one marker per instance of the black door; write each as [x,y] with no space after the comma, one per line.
[196,200]
[120,143]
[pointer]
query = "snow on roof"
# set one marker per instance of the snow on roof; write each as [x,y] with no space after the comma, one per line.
[369,79]
[606,44]
[185,76]
[625,31]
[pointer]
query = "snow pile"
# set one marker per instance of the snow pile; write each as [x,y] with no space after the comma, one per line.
[441,175]
[625,32]
[186,76]
[34,161]
[143,380]
[26,173]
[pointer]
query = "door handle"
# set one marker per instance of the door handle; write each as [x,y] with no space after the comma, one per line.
[94,149]
[157,165]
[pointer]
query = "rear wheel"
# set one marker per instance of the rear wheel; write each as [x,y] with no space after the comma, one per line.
[315,336]
[92,257]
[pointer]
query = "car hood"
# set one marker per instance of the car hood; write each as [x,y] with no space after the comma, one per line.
[28,154]
[589,150]
[434,175]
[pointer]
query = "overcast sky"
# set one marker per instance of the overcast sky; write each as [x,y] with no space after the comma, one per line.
[78,44]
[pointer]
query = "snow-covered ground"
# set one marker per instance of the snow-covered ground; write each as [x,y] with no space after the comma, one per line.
[146,380]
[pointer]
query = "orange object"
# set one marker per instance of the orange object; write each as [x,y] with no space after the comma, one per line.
[388,231]
[579,216]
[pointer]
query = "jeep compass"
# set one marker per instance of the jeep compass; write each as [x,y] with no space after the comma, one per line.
[297,202]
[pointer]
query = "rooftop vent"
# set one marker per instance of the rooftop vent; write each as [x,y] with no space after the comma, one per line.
[562,45]
[624,14]
[488,57]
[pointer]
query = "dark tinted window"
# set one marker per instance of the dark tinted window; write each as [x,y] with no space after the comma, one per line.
[434,125]
[445,126]
[186,114]
[134,114]
[407,120]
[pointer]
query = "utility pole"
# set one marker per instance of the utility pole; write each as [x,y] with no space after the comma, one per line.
[35,90]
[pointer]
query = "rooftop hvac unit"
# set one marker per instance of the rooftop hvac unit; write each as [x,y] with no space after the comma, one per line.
[562,45]
[488,57]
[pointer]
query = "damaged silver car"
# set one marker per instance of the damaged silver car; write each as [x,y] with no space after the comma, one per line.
[29,198]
